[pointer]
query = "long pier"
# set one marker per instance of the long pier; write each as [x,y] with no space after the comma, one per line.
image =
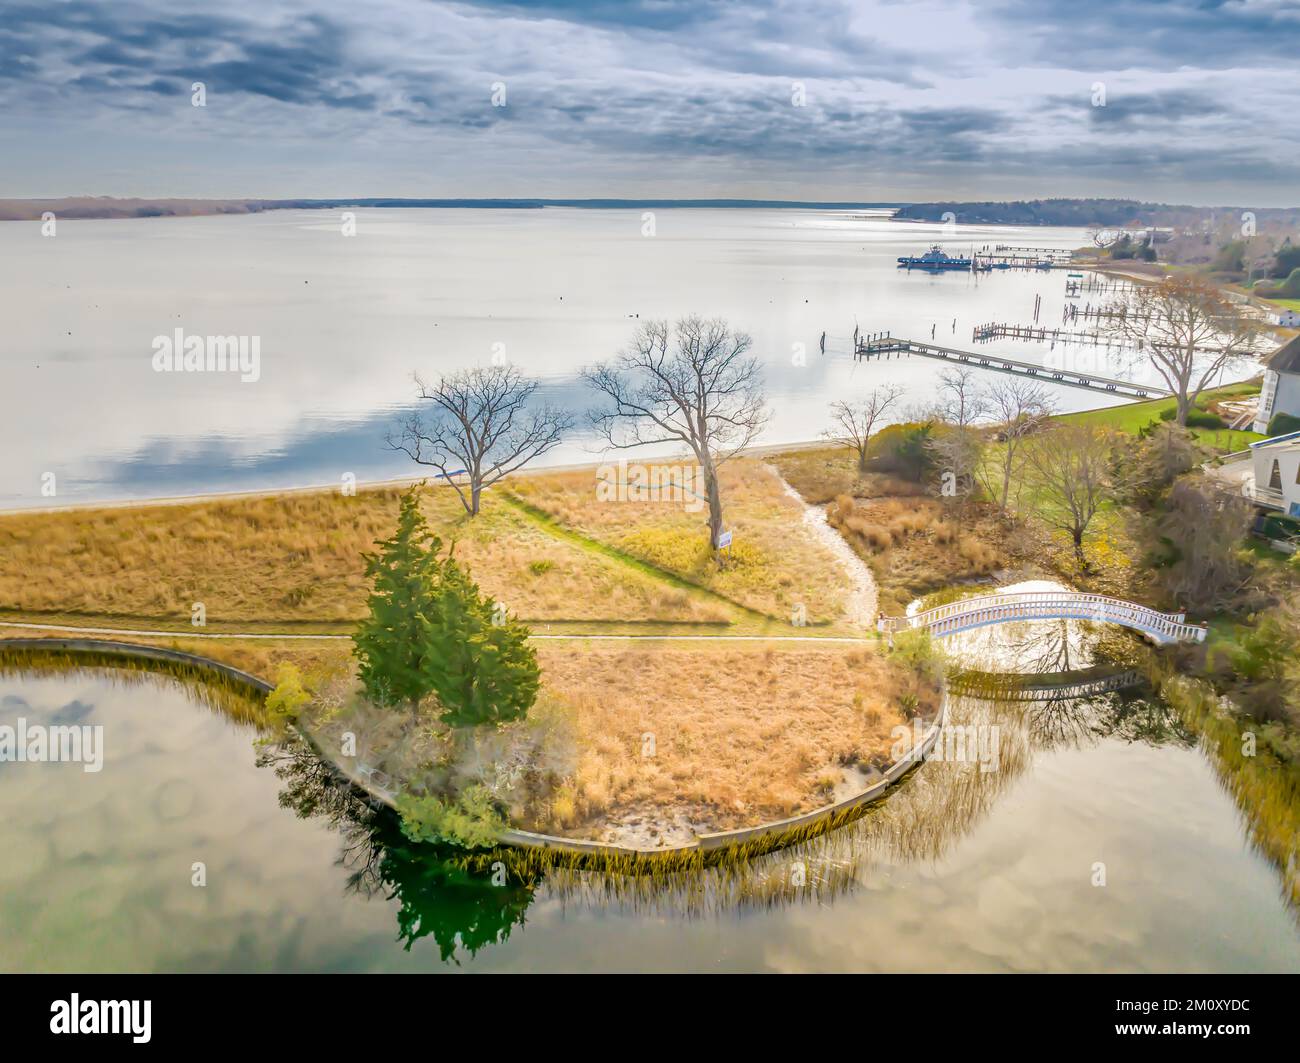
[1038,333]
[1060,254]
[882,344]
[1075,287]
[1097,338]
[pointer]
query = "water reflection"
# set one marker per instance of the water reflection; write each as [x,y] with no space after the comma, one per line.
[931,835]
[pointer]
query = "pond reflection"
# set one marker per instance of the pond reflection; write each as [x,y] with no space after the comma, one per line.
[305,874]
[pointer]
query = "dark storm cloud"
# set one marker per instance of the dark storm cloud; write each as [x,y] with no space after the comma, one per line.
[910,89]
[1146,110]
[1166,34]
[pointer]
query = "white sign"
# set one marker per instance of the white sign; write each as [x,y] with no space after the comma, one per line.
[724,540]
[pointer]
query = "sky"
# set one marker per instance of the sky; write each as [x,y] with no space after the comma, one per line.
[1187,101]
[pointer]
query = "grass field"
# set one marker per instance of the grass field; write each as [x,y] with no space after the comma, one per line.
[912,542]
[546,547]
[741,735]
[1134,416]
[774,563]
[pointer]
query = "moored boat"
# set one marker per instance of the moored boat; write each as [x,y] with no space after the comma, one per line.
[934,259]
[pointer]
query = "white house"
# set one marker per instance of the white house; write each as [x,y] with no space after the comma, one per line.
[1287,318]
[1281,391]
[1277,473]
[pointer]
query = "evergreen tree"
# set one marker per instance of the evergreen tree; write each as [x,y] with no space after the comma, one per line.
[394,645]
[484,671]
[431,631]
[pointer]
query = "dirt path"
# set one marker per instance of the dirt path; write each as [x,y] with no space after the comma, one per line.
[860,606]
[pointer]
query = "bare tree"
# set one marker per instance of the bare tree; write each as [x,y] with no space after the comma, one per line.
[693,383]
[954,441]
[854,422]
[481,427]
[1019,408]
[1190,332]
[1203,534]
[1069,465]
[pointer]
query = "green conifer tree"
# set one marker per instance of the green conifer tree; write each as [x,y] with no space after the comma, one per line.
[394,645]
[484,671]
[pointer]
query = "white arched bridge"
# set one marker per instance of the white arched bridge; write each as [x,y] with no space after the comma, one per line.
[966,614]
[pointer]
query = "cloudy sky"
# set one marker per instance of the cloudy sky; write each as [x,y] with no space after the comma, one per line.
[791,99]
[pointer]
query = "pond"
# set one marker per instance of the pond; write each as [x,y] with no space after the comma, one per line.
[961,869]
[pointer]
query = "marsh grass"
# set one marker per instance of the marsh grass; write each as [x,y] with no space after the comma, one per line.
[775,562]
[295,559]
[741,736]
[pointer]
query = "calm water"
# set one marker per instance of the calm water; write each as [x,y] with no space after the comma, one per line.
[344,321]
[959,871]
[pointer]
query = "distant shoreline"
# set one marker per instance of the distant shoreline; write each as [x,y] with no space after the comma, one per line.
[88,208]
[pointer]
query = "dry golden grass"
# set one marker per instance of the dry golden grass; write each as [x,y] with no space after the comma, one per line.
[744,733]
[296,558]
[822,474]
[774,564]
[914,546]
[741,735]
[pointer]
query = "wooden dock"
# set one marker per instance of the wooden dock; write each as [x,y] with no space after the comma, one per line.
[1075,287]
[1095,338]
[883,345]
[1040,334]
[1056,254]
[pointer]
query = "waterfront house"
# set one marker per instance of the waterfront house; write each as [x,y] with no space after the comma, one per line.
[1276,465]
[1281,390]
[1287,318]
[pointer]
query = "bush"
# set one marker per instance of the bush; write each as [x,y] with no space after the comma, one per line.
[1283,423]
[470,821]
[902,449]
[1285,262]
[1196,418]
[1288,289]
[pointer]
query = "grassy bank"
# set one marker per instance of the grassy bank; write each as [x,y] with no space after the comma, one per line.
[545,546]
[1134,416]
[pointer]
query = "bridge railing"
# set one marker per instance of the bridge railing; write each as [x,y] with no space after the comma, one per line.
[966,613]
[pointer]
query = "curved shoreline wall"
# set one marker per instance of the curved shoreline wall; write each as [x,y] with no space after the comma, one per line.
[764,837]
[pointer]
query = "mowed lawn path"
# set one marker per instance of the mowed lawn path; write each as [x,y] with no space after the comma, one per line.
[545,545]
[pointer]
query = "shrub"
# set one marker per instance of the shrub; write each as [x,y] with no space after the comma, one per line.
[1196,418]
[470,821]
[288,696]
[1283,423]
[902,449]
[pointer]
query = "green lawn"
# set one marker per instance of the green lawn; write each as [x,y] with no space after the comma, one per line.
[1286,304]
[1136,415]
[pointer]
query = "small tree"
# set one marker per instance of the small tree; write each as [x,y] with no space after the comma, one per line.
[482,427]
[393,646]
[955,442]
[1019,408]
[693,384]
[430,631]
[1070,468]
[1201,539]
[1189,330]
[854,422]
[482,668]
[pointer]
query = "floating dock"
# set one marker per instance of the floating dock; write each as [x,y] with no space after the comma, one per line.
[883,345]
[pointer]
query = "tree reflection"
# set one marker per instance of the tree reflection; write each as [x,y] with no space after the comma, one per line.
[438,896]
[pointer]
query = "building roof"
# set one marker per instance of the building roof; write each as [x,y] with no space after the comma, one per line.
[1286,359]
[1291,439]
